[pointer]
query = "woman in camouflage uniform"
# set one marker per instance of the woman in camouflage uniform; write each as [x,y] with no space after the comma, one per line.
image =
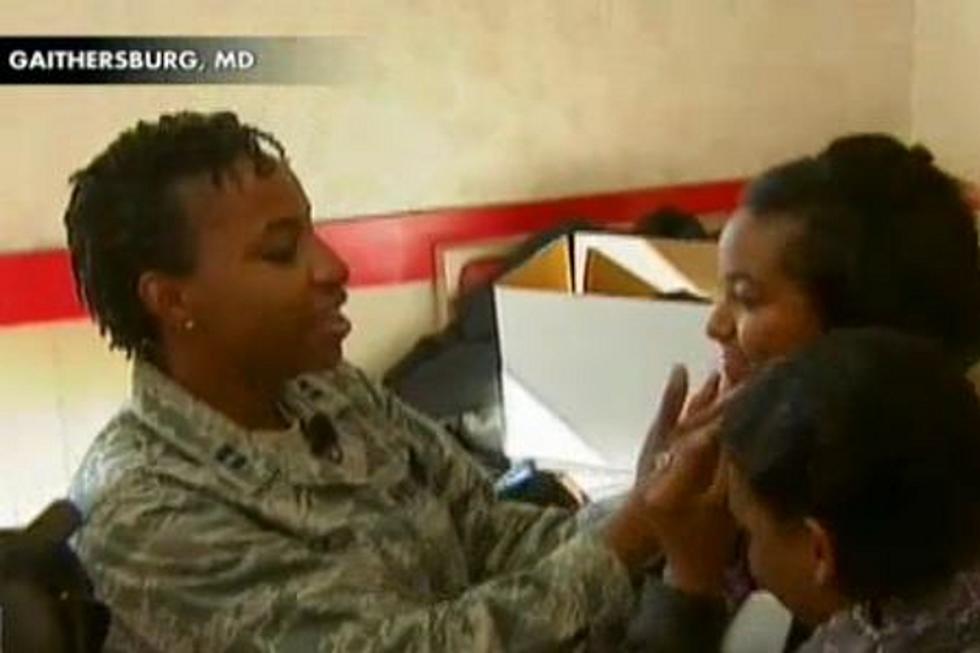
[259,494]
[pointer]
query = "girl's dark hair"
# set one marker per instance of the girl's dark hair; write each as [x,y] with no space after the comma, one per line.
[124,216]
[887,239]
[877,436]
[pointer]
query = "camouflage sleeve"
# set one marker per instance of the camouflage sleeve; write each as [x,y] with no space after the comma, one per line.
[183,572]
[667,619]
[500,536]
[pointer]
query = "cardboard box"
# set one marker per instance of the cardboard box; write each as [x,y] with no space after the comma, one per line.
[589,329]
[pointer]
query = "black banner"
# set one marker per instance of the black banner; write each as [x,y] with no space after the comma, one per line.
[172,60]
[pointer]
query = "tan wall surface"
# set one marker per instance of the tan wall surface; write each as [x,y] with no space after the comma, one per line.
[946,83]
[469,101]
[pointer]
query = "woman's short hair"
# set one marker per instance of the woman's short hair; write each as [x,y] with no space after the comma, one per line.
[124,216]
[887,239]
[877,436]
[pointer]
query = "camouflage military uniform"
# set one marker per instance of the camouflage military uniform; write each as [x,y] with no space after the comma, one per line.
[204,537]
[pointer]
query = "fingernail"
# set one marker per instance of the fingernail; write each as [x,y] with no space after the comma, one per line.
[677,373]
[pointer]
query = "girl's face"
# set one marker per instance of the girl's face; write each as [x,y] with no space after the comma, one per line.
[763,313]
[792,558]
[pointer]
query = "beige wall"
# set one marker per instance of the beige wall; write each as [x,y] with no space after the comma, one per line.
[457,102]
[470,101]
[946,82]
[57,387]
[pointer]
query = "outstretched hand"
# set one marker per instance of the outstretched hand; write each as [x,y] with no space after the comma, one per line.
[677,433]
[681,486]
[686,503]
[677,415]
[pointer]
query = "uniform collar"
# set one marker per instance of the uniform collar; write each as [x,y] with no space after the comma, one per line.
[209,437]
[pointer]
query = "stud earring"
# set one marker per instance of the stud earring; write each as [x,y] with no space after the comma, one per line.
[189,324]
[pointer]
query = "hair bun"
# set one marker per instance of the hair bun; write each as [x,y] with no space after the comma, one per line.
[878,173]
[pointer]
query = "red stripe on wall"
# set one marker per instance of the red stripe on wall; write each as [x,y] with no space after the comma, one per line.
[37,287]
[388,249]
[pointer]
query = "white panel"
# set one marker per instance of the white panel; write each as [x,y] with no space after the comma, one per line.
[534,431]
[598,363]
[761,625]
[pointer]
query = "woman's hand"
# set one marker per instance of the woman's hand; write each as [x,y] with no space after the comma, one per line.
[677,414]
[632,534]
[685,503]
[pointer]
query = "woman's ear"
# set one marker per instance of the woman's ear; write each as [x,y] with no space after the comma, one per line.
[165,299]
[823,552]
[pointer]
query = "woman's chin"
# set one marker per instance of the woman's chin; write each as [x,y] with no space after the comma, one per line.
[322,357]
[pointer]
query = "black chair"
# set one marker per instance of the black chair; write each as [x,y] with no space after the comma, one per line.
[46,599]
